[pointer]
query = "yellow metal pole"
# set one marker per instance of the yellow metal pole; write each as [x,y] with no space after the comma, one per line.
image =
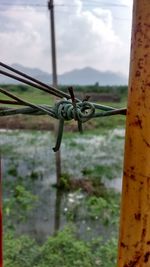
[134,240]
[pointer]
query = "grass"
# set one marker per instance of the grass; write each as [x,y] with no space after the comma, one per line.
[63,249]
[106,171]
[33,96]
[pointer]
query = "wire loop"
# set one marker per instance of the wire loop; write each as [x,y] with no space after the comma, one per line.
[83,111]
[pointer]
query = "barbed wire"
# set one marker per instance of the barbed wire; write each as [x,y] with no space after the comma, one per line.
[68,108]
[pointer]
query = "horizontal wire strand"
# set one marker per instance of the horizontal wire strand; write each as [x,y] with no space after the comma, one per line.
[80,111]
[51,89]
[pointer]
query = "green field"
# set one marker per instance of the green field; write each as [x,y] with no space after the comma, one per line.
[43,122]
[40,97]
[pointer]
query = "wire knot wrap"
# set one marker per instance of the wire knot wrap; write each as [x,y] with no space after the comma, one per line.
[67,110]
[82,111]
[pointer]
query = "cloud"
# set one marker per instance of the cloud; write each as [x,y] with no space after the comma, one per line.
[126,2]
[24,37]
[89,39]
[85,36]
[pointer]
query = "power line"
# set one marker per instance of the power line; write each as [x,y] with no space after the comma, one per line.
[93,4]
[109,3]
[62,6]
[22,5]
[70,12]
[73,13]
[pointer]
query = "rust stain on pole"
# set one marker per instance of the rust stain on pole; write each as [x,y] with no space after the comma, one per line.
[134,240]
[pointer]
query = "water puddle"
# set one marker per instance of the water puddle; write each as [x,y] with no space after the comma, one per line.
[28,160]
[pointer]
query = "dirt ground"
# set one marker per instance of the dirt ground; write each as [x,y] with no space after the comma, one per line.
[36,123]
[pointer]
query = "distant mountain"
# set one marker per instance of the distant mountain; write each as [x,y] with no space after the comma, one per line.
[89,75]
[85,76]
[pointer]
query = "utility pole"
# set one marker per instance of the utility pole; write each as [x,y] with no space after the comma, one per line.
[54,77]
[134,240]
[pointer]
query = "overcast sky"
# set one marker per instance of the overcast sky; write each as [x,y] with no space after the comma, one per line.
[93,33]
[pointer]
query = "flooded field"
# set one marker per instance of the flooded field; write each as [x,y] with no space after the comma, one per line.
[28,164]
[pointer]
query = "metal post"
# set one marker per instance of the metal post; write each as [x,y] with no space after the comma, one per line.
[57,211]
[53,43]
[54,76]
[1,227]
[134,240]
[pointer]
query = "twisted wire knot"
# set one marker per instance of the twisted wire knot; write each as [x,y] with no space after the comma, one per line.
[81,111]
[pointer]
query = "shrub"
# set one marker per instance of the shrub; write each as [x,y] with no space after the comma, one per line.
[65,250]
[19,252]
